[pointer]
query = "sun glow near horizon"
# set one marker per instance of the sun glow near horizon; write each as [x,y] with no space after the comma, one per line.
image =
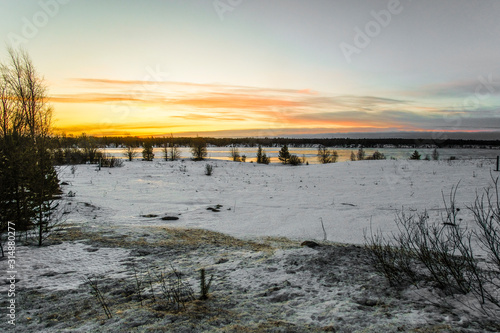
[104,107]
[263,68]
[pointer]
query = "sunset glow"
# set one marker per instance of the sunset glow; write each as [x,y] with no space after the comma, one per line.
[263,69]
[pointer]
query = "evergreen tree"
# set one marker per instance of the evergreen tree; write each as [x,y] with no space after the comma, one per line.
[284,155]
[147,152]
[261,156]
[435,154]
[353,156]
[361,154]
[415,156]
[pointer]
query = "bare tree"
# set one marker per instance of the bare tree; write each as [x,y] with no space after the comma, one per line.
[27,176]
[130,153]
[235,154]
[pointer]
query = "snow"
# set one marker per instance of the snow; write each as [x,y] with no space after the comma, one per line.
[55,267]
[262,276]
[276,200]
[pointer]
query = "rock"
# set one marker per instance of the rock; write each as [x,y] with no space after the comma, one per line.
[310,244]
[366,301]
[169,218]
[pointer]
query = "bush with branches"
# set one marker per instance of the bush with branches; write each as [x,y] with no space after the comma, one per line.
[262,158]
[376,156]
[129,152]
[234,154]
[199,149]
[294,160]
[442,253]
[327,156]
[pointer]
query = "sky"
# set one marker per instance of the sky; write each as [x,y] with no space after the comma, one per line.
[262,68]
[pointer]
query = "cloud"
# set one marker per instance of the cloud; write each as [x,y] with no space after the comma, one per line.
[194,104]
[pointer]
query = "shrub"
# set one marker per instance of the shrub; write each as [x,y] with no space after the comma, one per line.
[111,162]
[129,152]
[442,252]
[199,149]
[208,169]
[294,160]
[327,156]
[235,154]
[262,157]
[378,156]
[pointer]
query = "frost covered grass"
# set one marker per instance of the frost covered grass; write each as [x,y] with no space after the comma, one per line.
[243,226]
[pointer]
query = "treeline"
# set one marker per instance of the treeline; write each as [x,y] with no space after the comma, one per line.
[129,141]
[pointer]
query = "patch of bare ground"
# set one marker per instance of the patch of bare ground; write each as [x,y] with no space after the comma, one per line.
[261,285]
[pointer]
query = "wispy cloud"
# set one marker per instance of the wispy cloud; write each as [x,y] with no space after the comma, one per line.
[195,104]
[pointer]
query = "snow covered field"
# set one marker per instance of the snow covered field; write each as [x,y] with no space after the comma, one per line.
[263,279]
[273,200]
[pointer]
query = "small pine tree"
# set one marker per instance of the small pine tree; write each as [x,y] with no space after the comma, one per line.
[265,159]
[415,156]
[435,154]
[284,155]
[147,152]
[260,154]
[361,154]
[353,156]
[335,156]
[262,157]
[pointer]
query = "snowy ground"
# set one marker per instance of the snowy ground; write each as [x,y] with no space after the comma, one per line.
[244,224]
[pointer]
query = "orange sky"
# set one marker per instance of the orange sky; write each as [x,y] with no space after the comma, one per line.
[262,67]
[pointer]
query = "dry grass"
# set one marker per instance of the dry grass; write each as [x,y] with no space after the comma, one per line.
[173,237]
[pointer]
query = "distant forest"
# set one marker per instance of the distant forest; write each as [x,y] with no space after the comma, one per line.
[76,141]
